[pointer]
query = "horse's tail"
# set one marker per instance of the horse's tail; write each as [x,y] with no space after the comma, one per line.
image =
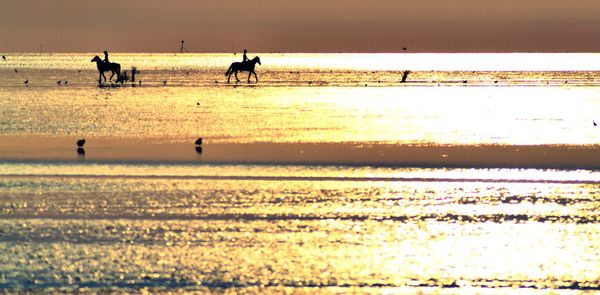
[118,70]
[229,70]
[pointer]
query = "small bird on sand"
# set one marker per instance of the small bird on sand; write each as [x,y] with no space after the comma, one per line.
[66,82]
[16,71]
[198,141]
[4,57]
[59,81]
[165,82]
[594,122]
[26,82]
[80,142]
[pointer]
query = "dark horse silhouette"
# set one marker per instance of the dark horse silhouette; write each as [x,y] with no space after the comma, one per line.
[247,66]
[102,66]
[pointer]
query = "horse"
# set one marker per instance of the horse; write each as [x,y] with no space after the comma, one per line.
[102,66]
[246,66]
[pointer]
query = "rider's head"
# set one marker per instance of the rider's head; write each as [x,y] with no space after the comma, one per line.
[245,51]
[105,52]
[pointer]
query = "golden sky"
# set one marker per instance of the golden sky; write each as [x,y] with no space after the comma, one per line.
[300,26]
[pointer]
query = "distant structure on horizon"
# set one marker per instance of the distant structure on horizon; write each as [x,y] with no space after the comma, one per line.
[183,49]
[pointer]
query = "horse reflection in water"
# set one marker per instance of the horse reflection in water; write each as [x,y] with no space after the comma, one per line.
[247,66]
[102,66]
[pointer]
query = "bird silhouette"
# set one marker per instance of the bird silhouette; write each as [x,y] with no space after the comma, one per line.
[198,141]
[165,82]
[16,71]
[26,82]
[81,142]
[58,82]
[594,122]
[66,82]
[4,57]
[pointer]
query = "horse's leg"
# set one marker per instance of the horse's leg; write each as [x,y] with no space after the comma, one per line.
[249,75]
[253,72]
[113,73]
[104,76]
[100,78]
[228,76]
[236,77]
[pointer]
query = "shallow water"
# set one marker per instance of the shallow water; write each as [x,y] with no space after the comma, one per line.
[521,108]
[82,225]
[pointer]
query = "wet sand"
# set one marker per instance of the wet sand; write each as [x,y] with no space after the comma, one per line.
[108,150]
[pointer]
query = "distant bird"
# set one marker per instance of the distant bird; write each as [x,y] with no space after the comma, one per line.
[80,142]
[197,103]
[26,82]
[309,82]
[58,82]
[140,82]
[78,71]
[216,82]
[4,57]
[198,141]
[16,71]
[165,82]
[403,48]
[594,122]
[66,82]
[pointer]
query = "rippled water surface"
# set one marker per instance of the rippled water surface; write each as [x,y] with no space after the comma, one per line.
[69,225]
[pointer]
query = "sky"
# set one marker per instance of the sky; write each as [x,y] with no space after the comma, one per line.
[300,26]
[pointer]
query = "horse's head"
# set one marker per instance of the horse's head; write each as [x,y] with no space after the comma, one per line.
[96,59]
[257,59]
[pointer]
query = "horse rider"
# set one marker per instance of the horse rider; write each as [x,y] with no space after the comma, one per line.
[106,57]
[245,58]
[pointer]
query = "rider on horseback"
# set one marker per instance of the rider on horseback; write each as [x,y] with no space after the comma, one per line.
[245,58]
[106,57]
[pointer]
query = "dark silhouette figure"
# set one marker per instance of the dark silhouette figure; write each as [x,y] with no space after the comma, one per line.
[183,49]
[198,149]
[595,124]
[245,57]
[198,141]
[133,72]
[114,68]
[26,82]
[81,151]
[106,57]
[247,66]
[405,75]
[58,82]
[4,57]
[80,142]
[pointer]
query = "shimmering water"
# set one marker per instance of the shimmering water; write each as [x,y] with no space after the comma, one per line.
[191,226]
